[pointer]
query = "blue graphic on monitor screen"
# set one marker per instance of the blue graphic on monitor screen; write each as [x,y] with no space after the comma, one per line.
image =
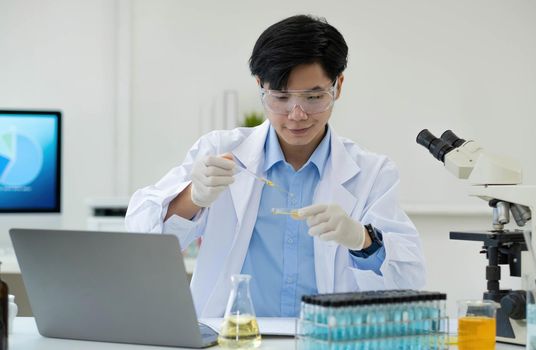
[29,162]
[23,159]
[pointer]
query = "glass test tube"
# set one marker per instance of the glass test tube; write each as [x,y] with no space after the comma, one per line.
[293,213]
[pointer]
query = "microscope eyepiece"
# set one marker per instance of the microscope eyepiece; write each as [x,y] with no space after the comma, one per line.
[438,147]
[451,138]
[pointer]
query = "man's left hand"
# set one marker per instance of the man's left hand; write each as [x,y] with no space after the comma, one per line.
[329,222]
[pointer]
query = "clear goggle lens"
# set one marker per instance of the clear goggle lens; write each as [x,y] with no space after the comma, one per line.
[311,102]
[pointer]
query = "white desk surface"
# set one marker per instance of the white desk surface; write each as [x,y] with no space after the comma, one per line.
[26,337]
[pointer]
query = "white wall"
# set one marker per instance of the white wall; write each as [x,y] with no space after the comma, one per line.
[61,55]
[464,65]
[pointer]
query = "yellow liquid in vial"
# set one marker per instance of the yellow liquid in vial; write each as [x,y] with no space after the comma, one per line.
[283,211]
[239,332]
[476,333]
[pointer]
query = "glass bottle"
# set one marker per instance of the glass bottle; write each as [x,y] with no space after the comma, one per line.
[4,297]
[240,329]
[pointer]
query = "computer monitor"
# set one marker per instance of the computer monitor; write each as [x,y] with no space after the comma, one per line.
[30,161]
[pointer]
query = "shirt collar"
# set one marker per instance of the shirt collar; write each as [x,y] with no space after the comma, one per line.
[274,154]
[272,150]
[321,154]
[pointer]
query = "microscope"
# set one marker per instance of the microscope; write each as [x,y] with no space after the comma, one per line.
[497,180]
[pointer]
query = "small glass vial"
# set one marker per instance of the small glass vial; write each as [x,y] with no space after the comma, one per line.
[13,309]
[4,295]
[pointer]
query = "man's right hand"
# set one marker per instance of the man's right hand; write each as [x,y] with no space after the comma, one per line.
[210,176]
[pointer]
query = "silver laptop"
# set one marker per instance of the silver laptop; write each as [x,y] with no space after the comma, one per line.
[109,286]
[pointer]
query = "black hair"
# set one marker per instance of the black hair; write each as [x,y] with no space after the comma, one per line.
[301,39]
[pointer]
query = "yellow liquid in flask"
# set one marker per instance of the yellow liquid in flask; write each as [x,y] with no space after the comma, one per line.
[239,332]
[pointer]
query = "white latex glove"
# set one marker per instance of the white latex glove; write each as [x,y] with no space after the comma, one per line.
[331,223]
[210,176]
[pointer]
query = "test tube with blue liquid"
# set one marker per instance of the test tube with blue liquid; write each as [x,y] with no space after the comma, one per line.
[378,320]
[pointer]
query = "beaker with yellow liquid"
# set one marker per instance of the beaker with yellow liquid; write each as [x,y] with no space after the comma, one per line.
[240,329]
[476,324]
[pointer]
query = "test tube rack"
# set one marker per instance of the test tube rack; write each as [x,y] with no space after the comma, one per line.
[373,320]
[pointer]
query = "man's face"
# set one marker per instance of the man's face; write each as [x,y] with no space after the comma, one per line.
[298,128]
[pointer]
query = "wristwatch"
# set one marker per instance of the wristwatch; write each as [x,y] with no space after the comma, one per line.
[375,235]
[377,242]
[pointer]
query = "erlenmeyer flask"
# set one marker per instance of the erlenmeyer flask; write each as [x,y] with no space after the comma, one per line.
[239,329]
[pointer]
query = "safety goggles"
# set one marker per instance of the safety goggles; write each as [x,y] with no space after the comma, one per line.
[310,101]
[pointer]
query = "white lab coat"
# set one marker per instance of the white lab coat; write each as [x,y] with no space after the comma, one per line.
[362,183]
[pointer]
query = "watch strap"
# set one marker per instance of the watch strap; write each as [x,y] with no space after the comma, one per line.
[377,242]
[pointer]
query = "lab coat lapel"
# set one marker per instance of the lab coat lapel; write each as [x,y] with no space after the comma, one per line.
[251,154]
[340,168]
[245,193]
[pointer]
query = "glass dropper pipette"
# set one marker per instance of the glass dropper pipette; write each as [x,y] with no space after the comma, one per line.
[266,181]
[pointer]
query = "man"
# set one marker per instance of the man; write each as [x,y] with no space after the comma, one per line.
[350,233]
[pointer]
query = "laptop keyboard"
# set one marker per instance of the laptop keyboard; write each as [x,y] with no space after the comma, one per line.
[207,333]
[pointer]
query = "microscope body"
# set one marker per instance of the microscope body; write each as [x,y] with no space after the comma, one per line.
[512,329]
[497,180]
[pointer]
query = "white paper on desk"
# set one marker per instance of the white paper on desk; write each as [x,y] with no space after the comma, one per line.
[267,325]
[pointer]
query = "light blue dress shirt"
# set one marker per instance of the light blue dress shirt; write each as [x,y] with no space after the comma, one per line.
[280,256]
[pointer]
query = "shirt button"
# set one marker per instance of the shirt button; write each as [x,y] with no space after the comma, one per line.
[290,279]
[290,240]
